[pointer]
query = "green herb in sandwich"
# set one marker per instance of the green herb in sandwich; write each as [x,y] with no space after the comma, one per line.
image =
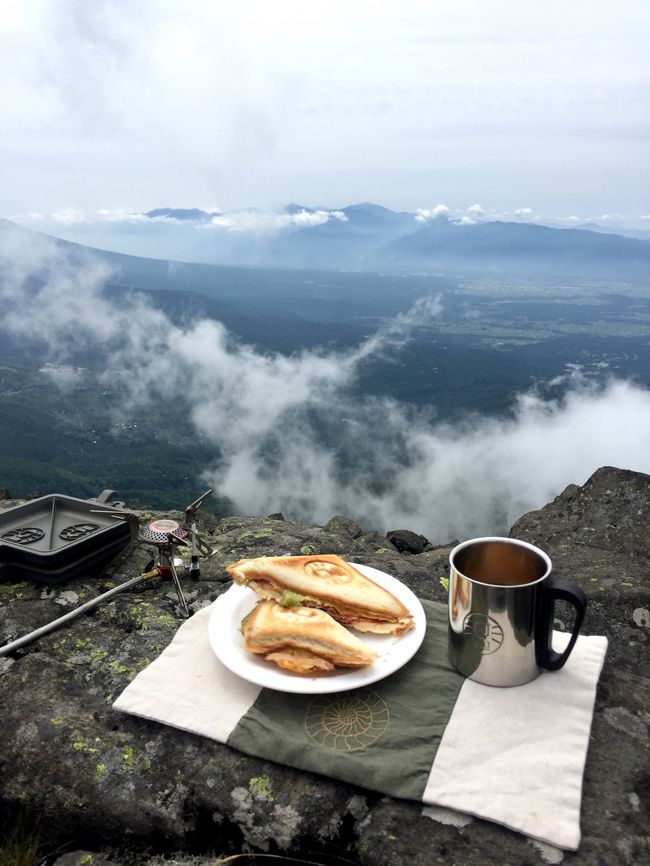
[242,624]
[291,599]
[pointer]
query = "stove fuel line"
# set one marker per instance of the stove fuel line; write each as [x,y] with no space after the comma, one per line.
[7,649]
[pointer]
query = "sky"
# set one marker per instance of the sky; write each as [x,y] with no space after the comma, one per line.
[514,105]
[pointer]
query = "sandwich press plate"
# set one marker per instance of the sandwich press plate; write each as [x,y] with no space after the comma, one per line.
[227,644]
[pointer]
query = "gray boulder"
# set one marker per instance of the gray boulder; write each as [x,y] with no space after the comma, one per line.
[131,792]
[408,542]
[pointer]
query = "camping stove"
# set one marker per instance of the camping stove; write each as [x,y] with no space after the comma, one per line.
[165,535]
[54,538]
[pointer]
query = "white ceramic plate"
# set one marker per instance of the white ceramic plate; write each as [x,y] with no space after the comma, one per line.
[393,652]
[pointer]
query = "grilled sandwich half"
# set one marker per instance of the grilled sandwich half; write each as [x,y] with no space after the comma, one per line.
[326,582]
[303,640]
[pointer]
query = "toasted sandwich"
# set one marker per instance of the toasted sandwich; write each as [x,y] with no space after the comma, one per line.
[303,640]
[327,582]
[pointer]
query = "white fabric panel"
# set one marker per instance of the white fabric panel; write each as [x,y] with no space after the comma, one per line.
[517,755]
[188,687]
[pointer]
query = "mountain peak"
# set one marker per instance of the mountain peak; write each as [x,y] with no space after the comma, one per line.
[293,208]
[193,214]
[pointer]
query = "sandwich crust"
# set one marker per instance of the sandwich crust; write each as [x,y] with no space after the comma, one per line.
[302,639]
[327,582]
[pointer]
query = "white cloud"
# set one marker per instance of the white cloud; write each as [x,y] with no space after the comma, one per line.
[64,376]
[69,216]
[307,218]
[235,221]
[258,221]
[74,216]
[423,214]
[476,211]
[119,216]
[524,213]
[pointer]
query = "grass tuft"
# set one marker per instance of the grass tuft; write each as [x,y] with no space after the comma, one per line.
[19,841]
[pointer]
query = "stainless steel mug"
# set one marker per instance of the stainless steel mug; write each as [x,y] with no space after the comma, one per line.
[501,611]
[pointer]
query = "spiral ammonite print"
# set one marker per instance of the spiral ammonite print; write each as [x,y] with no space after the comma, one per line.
[347,722]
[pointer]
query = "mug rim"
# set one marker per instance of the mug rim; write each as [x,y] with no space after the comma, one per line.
[514,541]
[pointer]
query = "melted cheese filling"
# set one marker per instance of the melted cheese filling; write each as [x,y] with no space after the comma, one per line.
[346,616]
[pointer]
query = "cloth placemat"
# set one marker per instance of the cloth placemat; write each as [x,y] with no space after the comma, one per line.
[514,756]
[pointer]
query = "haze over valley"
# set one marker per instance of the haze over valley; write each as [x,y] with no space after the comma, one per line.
[316,392]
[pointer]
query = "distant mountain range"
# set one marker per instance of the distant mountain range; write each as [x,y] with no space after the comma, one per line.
[374,237]
[521,247]
[369,237]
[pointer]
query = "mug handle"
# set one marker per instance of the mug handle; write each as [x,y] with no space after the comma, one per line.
[557,590]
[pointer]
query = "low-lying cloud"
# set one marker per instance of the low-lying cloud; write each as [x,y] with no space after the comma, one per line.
[424,214]
[290,435]
[258,221]
[254,221]
[474,214]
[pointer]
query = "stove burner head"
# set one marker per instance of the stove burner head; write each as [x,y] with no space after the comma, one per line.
[158,532]
[23,535]
[77,530]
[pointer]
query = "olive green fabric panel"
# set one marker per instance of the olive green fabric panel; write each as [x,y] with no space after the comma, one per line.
[383,737]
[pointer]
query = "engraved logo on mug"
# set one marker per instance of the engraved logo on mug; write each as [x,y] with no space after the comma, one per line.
[483,631]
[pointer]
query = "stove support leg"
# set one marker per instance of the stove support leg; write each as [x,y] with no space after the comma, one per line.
[195,571]
[177,584]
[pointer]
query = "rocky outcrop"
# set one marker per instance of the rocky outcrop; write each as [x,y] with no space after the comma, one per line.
[599,536]
[129,791]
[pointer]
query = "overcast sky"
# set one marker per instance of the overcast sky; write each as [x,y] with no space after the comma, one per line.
[122,105]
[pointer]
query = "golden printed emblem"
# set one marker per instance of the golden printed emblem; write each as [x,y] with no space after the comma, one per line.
[347,722]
